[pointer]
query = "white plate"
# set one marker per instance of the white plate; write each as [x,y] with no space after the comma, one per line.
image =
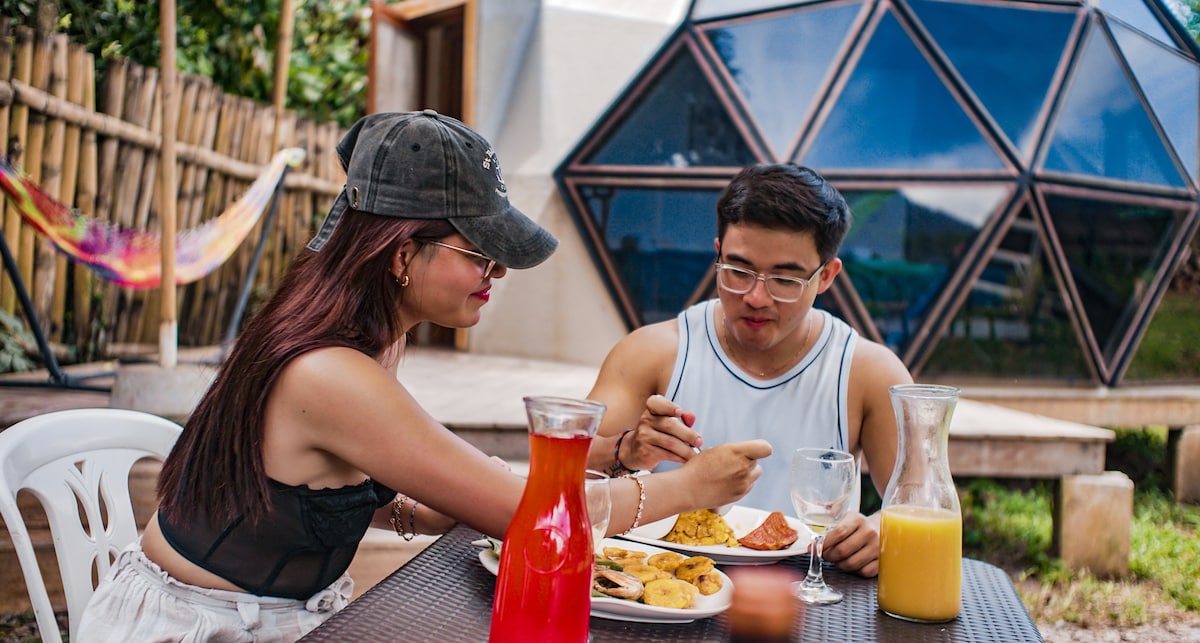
[742,520]
[624,610]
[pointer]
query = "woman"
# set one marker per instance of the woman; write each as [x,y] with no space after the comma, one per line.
[297,446]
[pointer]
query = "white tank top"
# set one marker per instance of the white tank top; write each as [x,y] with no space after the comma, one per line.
[804,407]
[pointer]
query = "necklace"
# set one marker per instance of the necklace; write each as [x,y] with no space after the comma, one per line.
[775,369]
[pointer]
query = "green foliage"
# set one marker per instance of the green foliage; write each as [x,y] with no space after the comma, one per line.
[15,342]
[234,45]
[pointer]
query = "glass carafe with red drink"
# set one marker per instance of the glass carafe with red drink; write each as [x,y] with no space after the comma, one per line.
[543,587]
[920,533]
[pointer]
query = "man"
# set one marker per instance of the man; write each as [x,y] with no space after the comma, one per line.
[759,361]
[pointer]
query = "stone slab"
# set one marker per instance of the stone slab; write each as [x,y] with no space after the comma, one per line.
[1093,522]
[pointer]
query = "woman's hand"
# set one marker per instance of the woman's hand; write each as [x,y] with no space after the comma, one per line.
[724,474]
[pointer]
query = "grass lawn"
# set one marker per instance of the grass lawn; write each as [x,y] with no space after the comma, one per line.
[1009,524]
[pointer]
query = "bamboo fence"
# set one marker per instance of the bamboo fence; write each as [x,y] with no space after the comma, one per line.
[93,144]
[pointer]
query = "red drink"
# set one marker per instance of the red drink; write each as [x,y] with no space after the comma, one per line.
[543,588]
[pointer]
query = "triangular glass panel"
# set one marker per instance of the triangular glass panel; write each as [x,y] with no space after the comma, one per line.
[1167,351]
[1007,55]
[704,9]
[658,240]
[1113,252]
[905,244]
[1136,14]
[1102,128]
[1015,323]
[895,113]
[778,63]
[678,122]
[1171,82]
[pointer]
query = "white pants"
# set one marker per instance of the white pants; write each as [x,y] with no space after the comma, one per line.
[138,601]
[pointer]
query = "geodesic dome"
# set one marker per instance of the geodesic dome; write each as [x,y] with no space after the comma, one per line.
[1023,175]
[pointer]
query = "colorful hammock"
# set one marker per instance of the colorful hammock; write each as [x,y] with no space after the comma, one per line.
[133,258]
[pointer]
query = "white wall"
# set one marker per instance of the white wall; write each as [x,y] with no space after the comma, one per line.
[579,57]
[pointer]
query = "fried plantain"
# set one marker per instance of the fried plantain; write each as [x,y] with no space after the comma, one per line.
[666,561]
[692,568]
[669,592]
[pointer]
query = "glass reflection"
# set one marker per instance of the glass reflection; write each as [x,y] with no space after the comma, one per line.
[1014,323]
[894,112]
[778,64]
[903,246]
[1103,129]
[1171,84]
[1113,251]
[1136,14]
[1168,351]
[678,123]
[1007,55]
[660,240]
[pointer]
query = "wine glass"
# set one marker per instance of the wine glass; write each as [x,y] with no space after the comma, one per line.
[823,482]
[599,504]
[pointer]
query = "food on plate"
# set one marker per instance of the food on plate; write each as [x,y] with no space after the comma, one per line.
[653,584]
[774,533]
[694,567]
[701,527]
[646,573]
[624,556]
[708,583]
[666,561]
[670,592]
[617,584]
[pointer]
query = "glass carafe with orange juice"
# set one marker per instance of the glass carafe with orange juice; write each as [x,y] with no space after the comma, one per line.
[543,586]
[920,534]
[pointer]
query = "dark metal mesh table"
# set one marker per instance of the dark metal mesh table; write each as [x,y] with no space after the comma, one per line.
[444,594]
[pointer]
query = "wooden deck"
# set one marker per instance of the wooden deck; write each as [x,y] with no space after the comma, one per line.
[480,397]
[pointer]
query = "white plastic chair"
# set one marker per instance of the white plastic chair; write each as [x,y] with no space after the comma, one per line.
[73,460]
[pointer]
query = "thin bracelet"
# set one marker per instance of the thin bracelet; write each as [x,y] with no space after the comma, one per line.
[398,522]
[637,518]
[617,468]
[412,521]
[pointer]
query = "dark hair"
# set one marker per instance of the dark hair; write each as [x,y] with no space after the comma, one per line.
[786,196]
[217,463]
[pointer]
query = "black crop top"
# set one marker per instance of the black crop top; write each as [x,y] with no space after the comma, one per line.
[302,545]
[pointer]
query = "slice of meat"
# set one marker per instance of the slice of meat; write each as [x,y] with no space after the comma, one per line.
[773,534]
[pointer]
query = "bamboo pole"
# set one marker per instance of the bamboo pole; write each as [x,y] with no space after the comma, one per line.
[35,149]
[52,266]
[283,54]
[114,90]
[168,338]
[19,135]
[142,85]
[8,215]
[86,282]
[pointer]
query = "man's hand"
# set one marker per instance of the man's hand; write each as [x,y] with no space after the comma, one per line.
[853,545]
[663,434]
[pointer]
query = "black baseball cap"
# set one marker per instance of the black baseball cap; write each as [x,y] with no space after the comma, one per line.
[424,165]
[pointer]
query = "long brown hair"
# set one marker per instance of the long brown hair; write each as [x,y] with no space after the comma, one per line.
[344,295]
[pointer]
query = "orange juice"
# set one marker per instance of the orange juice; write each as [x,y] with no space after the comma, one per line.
[920,563]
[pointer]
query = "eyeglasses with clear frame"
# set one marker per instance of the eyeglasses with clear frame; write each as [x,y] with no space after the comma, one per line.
[485,263]
[781,288]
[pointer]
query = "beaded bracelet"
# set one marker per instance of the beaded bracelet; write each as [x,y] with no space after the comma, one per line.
[637,518]
[618,469]
[398,522]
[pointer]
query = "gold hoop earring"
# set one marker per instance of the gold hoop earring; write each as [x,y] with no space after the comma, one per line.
[403,281]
